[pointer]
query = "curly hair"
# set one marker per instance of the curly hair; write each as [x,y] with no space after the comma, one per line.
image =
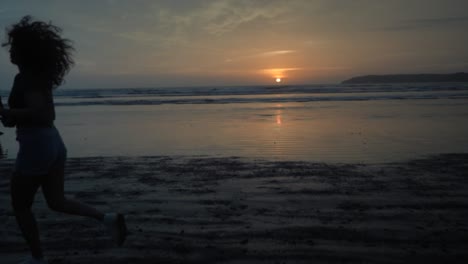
[38,47]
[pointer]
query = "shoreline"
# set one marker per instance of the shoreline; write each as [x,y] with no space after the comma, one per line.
[183,209]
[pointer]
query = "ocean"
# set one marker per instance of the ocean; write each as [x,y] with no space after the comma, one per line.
[369,123]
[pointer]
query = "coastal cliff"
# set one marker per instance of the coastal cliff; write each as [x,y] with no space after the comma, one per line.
[409,78]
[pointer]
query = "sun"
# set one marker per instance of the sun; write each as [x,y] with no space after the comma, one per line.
[278,80]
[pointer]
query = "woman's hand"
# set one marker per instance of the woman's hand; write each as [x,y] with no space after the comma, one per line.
[6,121]
[1,112]
[1,108]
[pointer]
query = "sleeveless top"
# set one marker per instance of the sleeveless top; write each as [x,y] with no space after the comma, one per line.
[28,82]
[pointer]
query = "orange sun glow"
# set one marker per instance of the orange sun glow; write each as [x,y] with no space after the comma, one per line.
[278,80]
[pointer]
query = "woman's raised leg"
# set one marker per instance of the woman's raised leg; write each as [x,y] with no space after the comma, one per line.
[53,189]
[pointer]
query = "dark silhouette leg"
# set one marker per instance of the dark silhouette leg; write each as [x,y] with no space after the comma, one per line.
[53,190]
[23,189]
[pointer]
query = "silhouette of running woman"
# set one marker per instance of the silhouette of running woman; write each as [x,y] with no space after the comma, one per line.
[43,58]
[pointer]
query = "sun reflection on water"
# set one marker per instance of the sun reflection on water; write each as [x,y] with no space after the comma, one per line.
[279,121]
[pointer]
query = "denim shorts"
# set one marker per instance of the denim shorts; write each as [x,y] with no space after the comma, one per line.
[40,150]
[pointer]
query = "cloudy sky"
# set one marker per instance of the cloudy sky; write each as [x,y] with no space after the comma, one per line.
[143,43]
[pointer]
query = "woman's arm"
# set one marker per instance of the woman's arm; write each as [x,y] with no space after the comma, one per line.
[36,102]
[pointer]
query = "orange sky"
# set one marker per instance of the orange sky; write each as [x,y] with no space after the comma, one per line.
[225,42]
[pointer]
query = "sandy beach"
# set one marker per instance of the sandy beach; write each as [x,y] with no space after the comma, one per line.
[236,132]
[183,209]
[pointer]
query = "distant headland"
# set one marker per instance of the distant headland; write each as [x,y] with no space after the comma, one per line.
[409,78]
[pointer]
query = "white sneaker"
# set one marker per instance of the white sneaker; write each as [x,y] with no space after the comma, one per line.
[31,260]
[116,224]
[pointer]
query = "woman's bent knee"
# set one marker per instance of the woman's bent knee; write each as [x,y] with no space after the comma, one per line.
[57,205]
[23,189]
[20,206]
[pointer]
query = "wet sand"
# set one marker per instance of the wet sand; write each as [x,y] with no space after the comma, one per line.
[235,210]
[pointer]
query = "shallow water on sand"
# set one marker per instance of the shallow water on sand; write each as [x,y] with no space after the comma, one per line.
[335,131]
